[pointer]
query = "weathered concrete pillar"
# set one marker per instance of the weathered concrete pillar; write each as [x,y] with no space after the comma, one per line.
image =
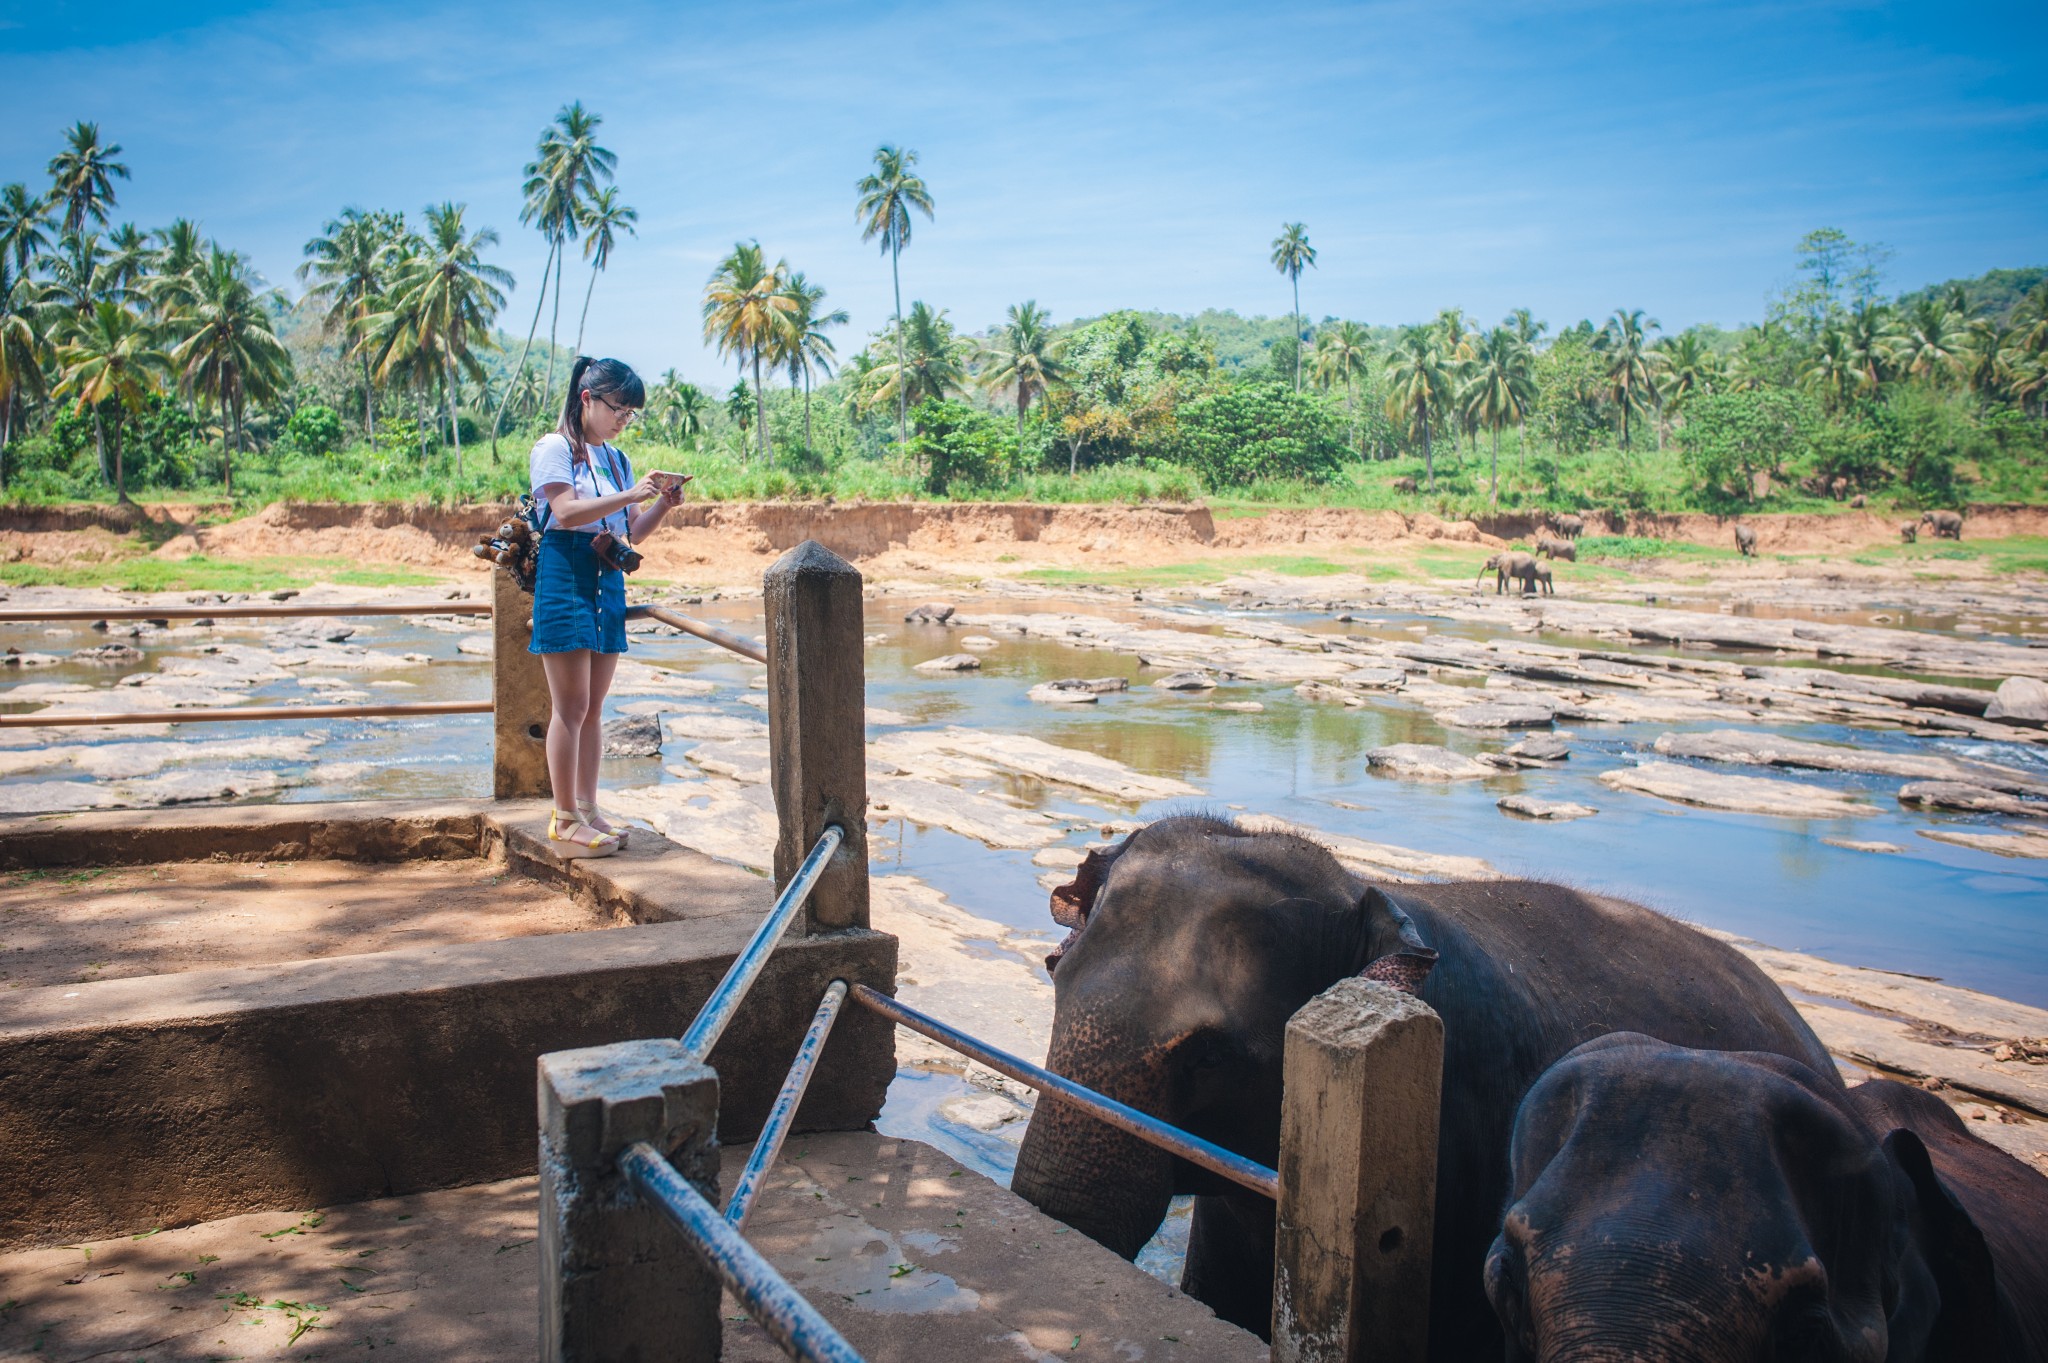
[519,696]
[618,1282]
[817,726]
[1363,1071]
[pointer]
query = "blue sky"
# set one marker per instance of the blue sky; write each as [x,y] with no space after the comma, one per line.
[1570,157]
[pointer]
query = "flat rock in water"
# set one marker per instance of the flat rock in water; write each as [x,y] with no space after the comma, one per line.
[2021,844]
[1529,807]
[951,662]
[716,726]
[981,817]
[641,679]
[718,818]
[633,736]
[1315,690]
[1061,693]
[475,645]
[2020,700]
[1963,795]
[108,655]
[1240,707]
[1494,714]
[1757,749]
[1736,794]
[925,752]
[1540,748]
[930,613]
[979,643]
[1185,681]
[1858,845]
[1375,678]
[1424,762]
[1377,860]
[743,759]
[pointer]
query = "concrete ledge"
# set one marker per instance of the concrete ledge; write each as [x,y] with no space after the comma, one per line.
[394,830]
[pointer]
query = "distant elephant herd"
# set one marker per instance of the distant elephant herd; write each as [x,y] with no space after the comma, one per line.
[1516,565]
[1644,1153]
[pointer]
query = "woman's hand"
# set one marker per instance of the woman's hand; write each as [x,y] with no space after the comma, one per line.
[671,486]
[647,489]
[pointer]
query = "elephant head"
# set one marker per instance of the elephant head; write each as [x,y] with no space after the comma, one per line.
[1191,944]
[1688,1206]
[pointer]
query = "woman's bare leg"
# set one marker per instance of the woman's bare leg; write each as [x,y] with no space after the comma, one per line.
[590,745]
[569,691]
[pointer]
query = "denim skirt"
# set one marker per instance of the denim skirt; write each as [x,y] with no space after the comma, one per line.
[577,601]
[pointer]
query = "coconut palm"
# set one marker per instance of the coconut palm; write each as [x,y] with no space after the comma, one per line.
[1831,371]
[568,170]
[1419,383]
[1930,339]
[229,355]
[1499,390]
[82,176]
[747,308]
[934,360]
[1291,255]
[679,408]
[804,347]
[604,217]
[1344,354]
[1688,370]
[112,357]
[24,226]
[1022,360]
[23,349]
[76,278]
[348,268]
[1623,341]
[1525,326]
[446,301]
[1872,335]
[887,195]
[1985,359]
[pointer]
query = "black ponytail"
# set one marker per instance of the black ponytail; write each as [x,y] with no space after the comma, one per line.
[613,379]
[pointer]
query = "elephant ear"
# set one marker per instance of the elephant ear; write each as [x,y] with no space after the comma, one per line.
[1955,1251]
[1394,949]
[1074,901]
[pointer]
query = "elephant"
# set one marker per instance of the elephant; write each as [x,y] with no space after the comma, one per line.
[1520,566]
[1403,484]
[1856,503]
[1571,527]
[1546,547]
[1745,541]
[1194,940]
[1948,525]
[1750,1197]
[1909,531]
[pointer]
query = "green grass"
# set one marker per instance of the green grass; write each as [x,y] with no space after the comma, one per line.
[201,574]
[2016,554]
[1637,547]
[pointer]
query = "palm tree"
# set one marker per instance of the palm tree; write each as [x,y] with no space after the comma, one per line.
[111,358]
[1023,360]
[1499,390]
[933,364]
[679,407]
[1525,326]
[1832,371]
[603,219]
[746,309]
[886,197]
[804,347]
[1623,342]
[229,353]
[24,226]
[1420,383]
[564,175]
[347,266]
[76,278]
[739,406]
[1291,255]
[130,257]
[23,348]
[1688,370]
[1929,341]
[1344,354]
[82,176]
[446,303]
[1872,335]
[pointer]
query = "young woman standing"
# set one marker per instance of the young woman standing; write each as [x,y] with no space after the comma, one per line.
[586,490]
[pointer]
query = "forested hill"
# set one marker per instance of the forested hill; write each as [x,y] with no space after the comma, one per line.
[1993,294]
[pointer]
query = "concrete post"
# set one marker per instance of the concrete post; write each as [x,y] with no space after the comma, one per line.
[1362,1075]
[519,696]
[817,726]
[619,1284]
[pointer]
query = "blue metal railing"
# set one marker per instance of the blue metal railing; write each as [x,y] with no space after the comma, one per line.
[768,1144]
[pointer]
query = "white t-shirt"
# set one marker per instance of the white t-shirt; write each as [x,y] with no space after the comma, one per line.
[608,471]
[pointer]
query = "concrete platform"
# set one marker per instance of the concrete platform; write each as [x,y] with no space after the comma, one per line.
[167,1099]
[911,1256]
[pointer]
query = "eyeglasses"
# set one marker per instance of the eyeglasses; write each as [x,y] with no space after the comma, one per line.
[627,415]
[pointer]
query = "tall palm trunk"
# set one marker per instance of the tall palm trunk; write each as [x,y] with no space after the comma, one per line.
[454,425]
[761,413]
[1297,332]
[120,474]
[99,441]
[1428,459]
[902,392]
[807,408]
[6,434]
[369,405]
[1493,485]
[498,421]
[584,316]
[554,326]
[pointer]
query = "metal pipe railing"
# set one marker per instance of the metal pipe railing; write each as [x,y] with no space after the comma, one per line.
[725,1000]
[768,1144]
[1207,1155]
[776,1307]
[724,638]
[28,615]
[37,719]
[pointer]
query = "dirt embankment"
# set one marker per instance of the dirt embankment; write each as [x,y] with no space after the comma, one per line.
[717,541]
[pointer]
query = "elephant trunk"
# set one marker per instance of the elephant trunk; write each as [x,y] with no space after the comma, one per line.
[1105,1183]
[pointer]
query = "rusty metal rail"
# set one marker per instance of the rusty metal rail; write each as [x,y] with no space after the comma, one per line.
[768,1144]
[724,638]
[25,615]
[38,719]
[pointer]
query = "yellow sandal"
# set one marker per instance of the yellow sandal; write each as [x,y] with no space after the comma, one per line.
[586,810]
[561,833]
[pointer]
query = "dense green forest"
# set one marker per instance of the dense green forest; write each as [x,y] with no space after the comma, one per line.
[157,363]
